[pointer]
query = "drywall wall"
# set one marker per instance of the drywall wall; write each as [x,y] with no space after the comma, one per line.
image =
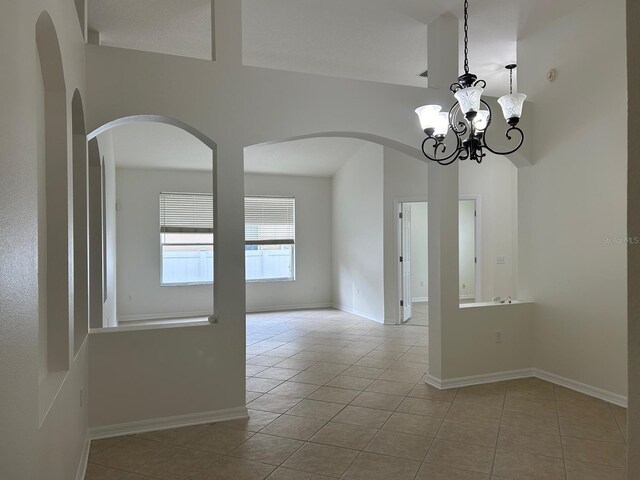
[109,239]
[419,252]
[466,249]
[357,245]
[140,293]
[633,66]
[405,178]
[30,446]
[495,183]
[572,206]
[312,285]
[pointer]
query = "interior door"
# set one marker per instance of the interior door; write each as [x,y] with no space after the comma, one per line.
[405,255]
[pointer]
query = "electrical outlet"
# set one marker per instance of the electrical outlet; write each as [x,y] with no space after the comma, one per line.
[498,336]
[501,260]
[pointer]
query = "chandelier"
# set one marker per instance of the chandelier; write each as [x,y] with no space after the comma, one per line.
[469,118]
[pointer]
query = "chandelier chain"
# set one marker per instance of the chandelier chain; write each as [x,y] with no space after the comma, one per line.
[466,36]
[511,80]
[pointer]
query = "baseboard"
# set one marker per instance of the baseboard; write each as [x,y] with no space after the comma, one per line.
[167,422]
[161,316]
[419,299]
[285,308]
[595,392]
[478,379]
[84,459]
[357,313]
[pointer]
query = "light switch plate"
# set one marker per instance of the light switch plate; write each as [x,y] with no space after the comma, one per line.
[501,260]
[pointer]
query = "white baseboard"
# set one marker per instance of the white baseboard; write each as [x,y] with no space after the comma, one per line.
[160,316]
[84,459]
[358,313]
[165,423]
[595,392]
[419,299]
[284,308]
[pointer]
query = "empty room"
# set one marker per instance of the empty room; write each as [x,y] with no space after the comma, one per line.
[316,239]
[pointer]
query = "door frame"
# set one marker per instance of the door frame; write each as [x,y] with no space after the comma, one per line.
[477,242]
[397,209]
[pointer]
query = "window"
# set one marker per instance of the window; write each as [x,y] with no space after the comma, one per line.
[269,238]
[186,238]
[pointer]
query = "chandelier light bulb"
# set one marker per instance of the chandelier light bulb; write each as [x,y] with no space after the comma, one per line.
[442,125]
[481,121]
[428,115]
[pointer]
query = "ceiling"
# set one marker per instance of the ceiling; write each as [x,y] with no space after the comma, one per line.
[160,146]
[378,40]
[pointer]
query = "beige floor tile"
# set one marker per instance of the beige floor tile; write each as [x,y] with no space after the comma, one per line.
[465,456]
[422,390]
[315,378]
[415,424]
[273,403]
[250,396]
[316,409]
[480,400]
[135,476]
[371,466]
[225,468]
[333,394]
[365,417]
[218,440]
[530,404]
[177,464]
[605,431]
[594,452]
[277,373]
[390,388]
[282,473]
[325,367]
[430,471]
[530,442]
[321,459]
[298,428]
[343,435]
[130,453]
[590,471]
[380,401]
[593,412]
[261,385]
[345,359]
[352,383]
[402,376]
[374,362]
[531,423]
[251,370]
[424,406]
[294,389]
[100,472]
[364,372]
[174,436]
[264,360]
[527,466]
[477,433]
[531,386]
[296,363]
[257,420]
[397,444]
[104,443]
[266,449]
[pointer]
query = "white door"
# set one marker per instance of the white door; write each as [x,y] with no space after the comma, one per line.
[405,258]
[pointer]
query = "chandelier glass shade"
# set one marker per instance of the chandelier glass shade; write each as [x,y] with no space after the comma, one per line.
[470,117]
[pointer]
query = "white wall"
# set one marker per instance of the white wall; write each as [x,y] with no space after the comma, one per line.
[109,308]
[30,446]
[573,198]
[140,293]
[495,182]
[358,273]
[405,178]
[312,285]
[466,249]
[419,252]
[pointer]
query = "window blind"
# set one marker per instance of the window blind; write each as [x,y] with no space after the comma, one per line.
[269,220]
[186,212]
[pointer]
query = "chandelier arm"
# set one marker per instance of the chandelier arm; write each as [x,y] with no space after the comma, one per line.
[442,161]
[509,137]
[453,113]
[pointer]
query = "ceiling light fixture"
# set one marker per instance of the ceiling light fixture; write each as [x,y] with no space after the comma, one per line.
[469,118]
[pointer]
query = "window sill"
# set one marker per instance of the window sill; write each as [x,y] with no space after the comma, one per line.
[272,280]
[492,304]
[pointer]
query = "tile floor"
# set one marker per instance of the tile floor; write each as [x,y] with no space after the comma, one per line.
[334,396]
[419,314]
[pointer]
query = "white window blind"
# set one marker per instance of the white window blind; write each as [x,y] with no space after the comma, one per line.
[269,220]
[186,212]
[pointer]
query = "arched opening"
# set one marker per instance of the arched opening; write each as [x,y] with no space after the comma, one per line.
[53,210]
[80,224]
[160,264]
[95,235]
[80,10]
